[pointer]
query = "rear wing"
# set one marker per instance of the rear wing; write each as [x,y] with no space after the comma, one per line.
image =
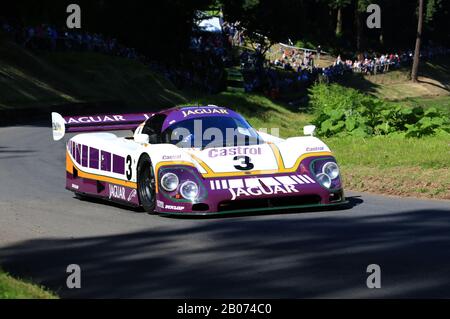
[95,123]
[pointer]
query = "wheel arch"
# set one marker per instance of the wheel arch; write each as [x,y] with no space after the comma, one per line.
[140,168]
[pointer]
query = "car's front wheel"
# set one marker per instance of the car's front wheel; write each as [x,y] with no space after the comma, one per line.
[146,184]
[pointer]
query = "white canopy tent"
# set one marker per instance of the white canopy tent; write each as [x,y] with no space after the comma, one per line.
[210,24]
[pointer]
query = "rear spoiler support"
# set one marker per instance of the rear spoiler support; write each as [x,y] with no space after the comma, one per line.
[95,123]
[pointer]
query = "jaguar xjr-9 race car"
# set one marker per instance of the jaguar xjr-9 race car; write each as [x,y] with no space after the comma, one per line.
[196,160]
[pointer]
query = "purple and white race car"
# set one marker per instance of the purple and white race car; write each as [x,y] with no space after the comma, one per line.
[196,160]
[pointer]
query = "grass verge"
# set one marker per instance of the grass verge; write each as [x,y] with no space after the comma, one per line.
[438,102]
[395,166]
[11,288]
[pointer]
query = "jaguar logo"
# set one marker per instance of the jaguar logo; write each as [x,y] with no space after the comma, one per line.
[117,192]
[258,191]
[204,111]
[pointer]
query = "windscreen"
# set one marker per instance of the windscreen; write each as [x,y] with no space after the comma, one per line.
[206,132]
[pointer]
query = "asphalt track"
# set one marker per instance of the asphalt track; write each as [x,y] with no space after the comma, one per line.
[124,253]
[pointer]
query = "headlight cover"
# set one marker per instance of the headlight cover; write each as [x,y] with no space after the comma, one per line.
[184,174]
[189,190]
[326,172]
[324,180]
[169,182]
[331,169]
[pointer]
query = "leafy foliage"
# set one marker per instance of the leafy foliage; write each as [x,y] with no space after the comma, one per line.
[432,7]
[340,111]
[335,4]
[163,28]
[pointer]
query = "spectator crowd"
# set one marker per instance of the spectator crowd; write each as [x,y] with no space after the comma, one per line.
[296,69]
[48,37]
[203,67]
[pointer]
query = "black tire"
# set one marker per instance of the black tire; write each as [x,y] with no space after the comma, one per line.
[146,184]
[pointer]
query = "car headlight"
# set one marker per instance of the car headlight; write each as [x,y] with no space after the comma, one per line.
[189,190]
[324,180]
[169,182]
[331,169]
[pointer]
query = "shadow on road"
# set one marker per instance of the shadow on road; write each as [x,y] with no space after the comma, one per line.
[312,256]
[8,153]
[351,202]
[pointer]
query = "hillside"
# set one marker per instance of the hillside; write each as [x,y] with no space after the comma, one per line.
[434,81]
[33,80]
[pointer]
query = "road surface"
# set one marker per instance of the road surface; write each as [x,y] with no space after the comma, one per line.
[124,253]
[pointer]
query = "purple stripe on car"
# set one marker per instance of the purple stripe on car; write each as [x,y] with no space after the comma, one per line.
[93,158]
[84,156]
[78,153]
[105,161]
[117,127]
[118,164]
[105,122]
[116,193]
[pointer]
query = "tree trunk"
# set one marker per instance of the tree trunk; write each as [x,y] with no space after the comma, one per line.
[339,23]
[415,68]
[359,29]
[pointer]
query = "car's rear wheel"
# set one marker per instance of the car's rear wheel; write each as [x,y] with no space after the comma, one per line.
[146,184]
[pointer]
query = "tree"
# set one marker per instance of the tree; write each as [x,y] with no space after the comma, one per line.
[415,67]
[265,21]
[431,9]
[339,5]
[360,7]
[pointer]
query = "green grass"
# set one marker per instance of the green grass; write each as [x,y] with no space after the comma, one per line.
[395,85]
[407,167]
[438,102]
[427,152]
[11,288]
[34,80]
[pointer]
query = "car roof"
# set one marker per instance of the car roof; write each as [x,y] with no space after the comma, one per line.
[176,115]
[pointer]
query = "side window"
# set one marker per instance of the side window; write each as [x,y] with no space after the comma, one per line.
[153,127]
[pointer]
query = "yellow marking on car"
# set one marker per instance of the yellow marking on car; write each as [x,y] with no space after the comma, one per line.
[281,169]
[301,158]
[278,157]
[70,165]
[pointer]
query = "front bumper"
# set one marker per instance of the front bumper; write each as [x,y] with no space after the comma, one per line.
[252,193]
[257,210]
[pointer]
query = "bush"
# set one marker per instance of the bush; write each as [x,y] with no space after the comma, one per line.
[340,111]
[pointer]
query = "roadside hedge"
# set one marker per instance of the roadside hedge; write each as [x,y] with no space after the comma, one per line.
[341,111]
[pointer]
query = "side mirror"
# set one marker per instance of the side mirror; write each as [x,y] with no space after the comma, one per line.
[58,126]
[141,138]
[309,130]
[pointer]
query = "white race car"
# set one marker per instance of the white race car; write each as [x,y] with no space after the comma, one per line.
[196,160]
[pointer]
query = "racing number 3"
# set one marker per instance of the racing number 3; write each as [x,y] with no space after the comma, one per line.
[129,170]
[245,164]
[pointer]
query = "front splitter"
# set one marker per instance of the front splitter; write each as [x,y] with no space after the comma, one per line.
[253,210]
